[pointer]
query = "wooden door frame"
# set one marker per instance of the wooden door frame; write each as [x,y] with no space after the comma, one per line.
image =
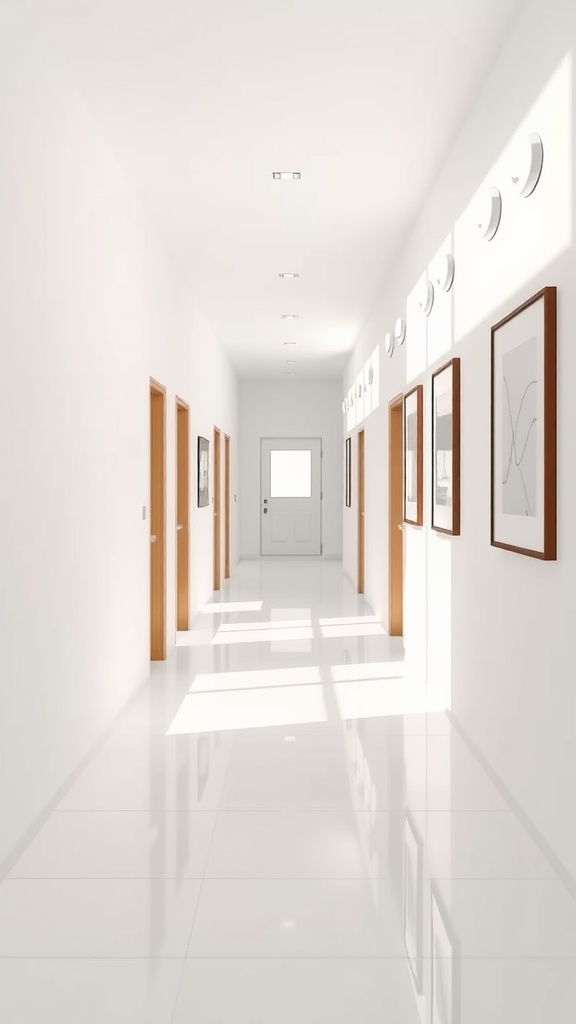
[227,508]
[217,509]
[157,393]
[182,509]
[361,493]
[396,516]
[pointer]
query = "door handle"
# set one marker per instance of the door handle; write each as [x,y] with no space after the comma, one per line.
[400,526]
[152,538]
[179,526]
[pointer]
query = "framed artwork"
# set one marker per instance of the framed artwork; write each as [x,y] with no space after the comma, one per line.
[413,901]
[523,429]
[413,456]
[445,982]
[446,448]
[203,472]
[348,471]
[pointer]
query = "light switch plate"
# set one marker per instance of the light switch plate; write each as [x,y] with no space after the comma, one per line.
[143,511]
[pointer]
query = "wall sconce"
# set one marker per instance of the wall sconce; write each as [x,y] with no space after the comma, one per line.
[528,161]
[370,375]
[389,343]
[489,212]
[400,331]
[445,272]
[426,300]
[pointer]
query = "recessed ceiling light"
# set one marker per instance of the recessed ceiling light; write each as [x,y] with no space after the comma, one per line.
[288,275]
[289,316]
[290,372]
[289,342]
[285,175]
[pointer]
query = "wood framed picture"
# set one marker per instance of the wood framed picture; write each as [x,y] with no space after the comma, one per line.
[203,472]
[446,448]
[414,456]
[348,471]
[445,983]
[523,429]
[413,901]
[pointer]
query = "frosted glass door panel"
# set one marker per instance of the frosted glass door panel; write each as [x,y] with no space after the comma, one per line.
[291,474]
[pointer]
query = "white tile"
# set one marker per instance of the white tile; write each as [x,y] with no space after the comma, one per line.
[268,773]
[528,991]
[286,844]
[479,844]
[119,844]
[48,991]
[96,917]
[289,991]
[268,918]
[509,918]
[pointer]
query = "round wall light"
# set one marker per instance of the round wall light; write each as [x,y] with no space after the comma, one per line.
[399,331]
[445,272]
[489,213]
[389,343]
[370,374]
[426,300]
[527,166]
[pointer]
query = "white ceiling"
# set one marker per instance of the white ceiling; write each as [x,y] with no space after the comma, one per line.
[203,99]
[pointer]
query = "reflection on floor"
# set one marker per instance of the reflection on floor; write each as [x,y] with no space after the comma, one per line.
[282,829]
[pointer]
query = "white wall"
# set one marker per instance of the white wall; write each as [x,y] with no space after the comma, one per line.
[493,623]
[308,409]
[90,308]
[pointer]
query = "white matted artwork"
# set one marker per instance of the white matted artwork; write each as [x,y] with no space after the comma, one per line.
[413,901]
[413,456]
[523,436]
[446,448]
[445,988]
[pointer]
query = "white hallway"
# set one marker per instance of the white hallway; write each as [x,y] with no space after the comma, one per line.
[235,849]
[293,817]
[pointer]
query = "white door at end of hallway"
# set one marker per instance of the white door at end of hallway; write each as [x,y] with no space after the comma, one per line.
[291,496]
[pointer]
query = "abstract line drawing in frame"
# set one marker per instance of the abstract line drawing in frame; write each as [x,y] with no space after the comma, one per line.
[445,966]
[413,901]
[523,429]
[446,448]
[203,472]
[414,456]
[348,472]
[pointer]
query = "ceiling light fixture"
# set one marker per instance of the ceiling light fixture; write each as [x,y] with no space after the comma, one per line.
[289,316]
[290,372]
[288,275]
[286,175]
[289,342]
[289,360]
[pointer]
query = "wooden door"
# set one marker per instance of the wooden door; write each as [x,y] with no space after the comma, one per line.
[396,517]
[182,514]
[157,521]
[361,511]
[217,525]
[227,508]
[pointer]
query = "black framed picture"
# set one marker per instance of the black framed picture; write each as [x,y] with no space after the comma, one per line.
[203,472]
[348,471]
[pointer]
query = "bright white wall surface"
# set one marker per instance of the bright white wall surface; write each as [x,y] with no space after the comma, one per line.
[291,409]
[90,307]
[492,629]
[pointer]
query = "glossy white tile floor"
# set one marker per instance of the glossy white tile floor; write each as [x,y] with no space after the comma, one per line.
[279,830]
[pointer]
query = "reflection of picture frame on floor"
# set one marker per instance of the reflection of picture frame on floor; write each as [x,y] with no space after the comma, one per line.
[203,764]
[413,901]
[445,982]
[203,472]
[348,471]
[414,456]
[446,448]
[523,429]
